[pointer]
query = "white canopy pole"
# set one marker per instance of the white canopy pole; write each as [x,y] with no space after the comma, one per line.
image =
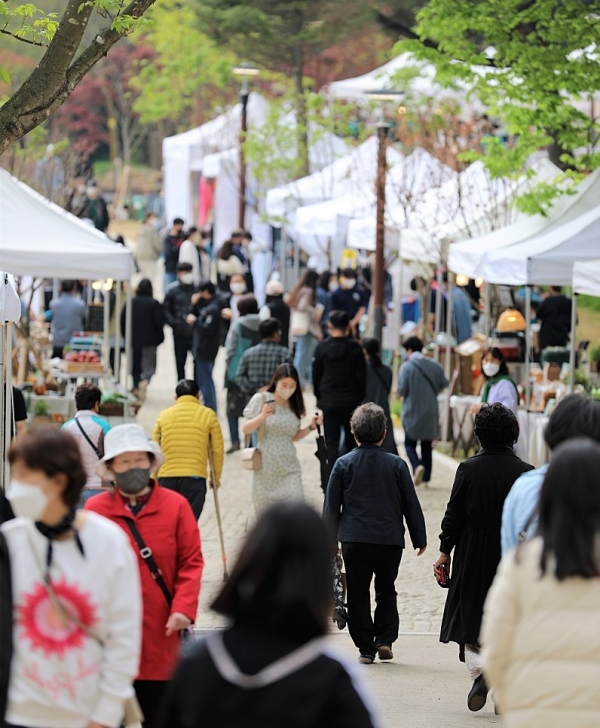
[573,342]
[118,306]
[450,315]
[4,405]
[106,327]
[487,312]
[438,311]
[128,322]
[527,350]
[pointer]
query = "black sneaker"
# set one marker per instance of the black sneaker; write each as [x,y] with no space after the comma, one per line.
[477,696]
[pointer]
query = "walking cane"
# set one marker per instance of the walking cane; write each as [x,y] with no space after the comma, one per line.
[215,488]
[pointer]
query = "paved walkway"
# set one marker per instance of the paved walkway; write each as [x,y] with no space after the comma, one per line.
[425,685]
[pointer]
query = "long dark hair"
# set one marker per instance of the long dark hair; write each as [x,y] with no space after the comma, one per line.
[226,250]
[282,577]
[308,280]
[373,349]
[569,511]
[497,354]
[144,288]
[297,399]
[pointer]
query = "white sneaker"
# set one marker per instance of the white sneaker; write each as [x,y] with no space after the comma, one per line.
[419,474]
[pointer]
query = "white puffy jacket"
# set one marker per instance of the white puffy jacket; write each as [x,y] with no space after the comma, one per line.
[541,645]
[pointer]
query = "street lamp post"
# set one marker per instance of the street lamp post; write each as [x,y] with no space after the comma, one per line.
[379,272]
[245,72]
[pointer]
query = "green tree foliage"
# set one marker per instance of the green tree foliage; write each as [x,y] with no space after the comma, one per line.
[68,56]
[189,68]
[528,61]
[281,35]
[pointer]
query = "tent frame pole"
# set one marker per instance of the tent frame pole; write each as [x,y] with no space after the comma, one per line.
[106,327]
[438,311]
[572,346]
[527,352]
[128,324]
[117,344]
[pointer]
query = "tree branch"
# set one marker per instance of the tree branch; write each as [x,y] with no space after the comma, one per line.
[404,31]
[50,84]
[23,40]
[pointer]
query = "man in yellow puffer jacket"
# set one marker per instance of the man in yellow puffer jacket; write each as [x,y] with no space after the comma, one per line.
[185,432]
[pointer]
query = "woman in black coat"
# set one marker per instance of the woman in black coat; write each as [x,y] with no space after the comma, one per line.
[147,333]
[471,527]
[379,386]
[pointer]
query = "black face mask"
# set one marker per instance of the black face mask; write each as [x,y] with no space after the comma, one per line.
[133,481]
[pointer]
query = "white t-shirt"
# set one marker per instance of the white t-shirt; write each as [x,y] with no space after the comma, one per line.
[60,676]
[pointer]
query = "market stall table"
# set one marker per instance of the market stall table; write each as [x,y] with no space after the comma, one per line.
[531,446]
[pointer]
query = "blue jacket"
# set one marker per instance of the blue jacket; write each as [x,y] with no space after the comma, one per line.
[421,380]
[519,507]
[369,496]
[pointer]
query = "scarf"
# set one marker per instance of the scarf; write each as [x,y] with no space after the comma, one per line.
[53,532]
[494,380]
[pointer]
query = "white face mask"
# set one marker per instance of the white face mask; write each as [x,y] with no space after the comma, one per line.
[27,501]
[285,392]
[347,283]
[490,369]
[238,288]
[187,279]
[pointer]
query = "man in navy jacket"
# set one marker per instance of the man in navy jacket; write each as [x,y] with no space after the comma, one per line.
[369,496]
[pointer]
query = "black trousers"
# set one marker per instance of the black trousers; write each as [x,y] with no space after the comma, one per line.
[150,695]
[363,561]
[182,345]
[192,489]
[335,421]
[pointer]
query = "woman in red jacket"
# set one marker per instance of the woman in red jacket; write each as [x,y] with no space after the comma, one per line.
[164,534]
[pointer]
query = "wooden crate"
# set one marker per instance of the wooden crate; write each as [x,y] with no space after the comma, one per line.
[73,367]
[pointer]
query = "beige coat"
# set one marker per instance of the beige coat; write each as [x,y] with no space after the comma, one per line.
[541,645]
[305,297]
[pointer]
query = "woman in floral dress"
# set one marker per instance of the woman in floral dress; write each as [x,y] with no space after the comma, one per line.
[276,414]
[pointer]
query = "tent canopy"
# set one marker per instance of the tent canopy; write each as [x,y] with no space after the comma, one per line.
[423,84]
[353,189]
[586,277]
[467,257]
[40,239]
[547,258]
[471,204]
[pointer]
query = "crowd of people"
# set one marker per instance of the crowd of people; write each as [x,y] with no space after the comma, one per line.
[97,641]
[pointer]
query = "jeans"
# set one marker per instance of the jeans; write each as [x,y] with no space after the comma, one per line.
[305,349]
[182,345]
[168,278]
[234,429]
[363,561]
[204,370]
[426,458]
[335,421]
[191,488]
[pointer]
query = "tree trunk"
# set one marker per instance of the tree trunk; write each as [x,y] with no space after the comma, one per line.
[301,111]
[49,85]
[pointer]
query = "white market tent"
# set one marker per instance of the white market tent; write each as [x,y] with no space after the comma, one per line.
[407,185]
[40,239]
[547,258]
[467,257]
[354,193]
[586,277]
[421,85]
[469,205]
[184,154]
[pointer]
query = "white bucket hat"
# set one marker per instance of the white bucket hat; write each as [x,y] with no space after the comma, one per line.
[127,438]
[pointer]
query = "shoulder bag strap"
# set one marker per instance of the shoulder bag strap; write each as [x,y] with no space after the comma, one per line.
[148,558]
[91,444]
[522,535]
[431,384]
